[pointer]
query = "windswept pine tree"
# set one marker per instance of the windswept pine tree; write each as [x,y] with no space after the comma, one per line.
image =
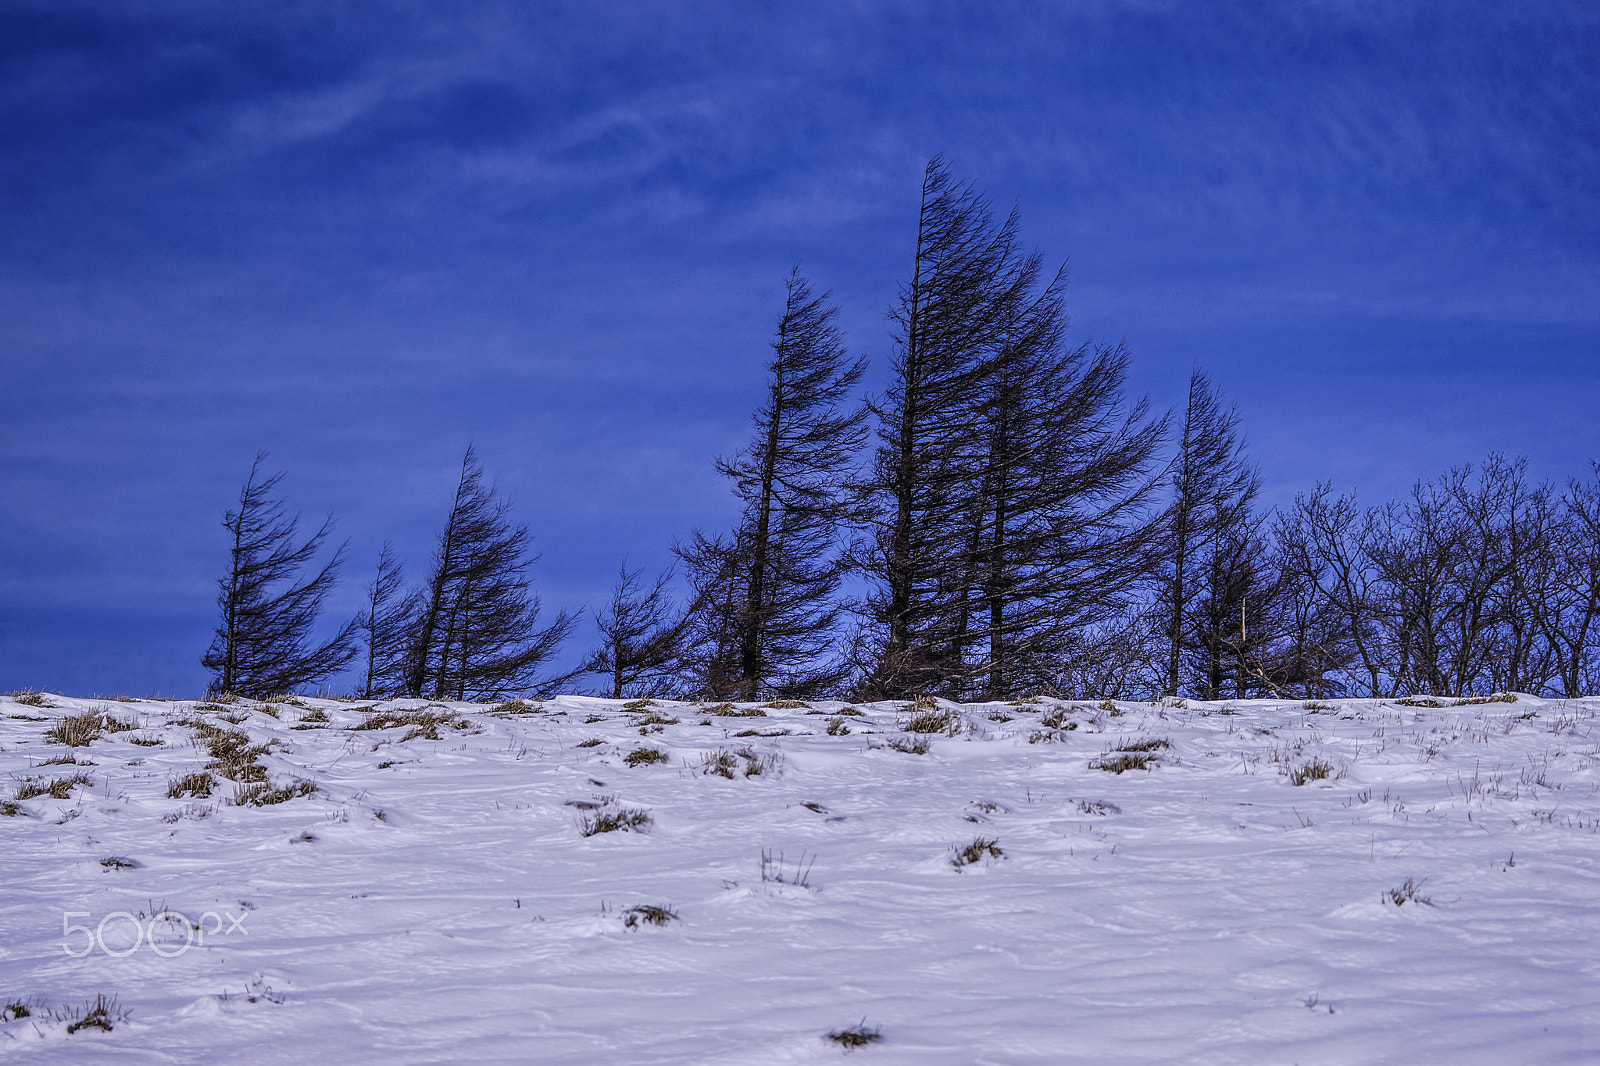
[945,317]
[1011,480]
[1061,532]
[642,635]
[764,609]
[1213,488]
[385,625]
[477,635]
[269,602]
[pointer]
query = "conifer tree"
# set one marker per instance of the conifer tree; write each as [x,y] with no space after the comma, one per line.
[262,644]
[385,624]
[1212,491]
[765,593]
[477,635]
[1011,480]
[642,638]
[1060,491]
[920,551]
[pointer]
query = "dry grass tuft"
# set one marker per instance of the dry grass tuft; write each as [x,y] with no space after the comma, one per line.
[609,819]
[76,730]
[197,785]
[725,763]
[423,724]
[729,710]
[648,914]
[934,721]
[262,794]
[1125,762]
[977,851]
[855,1036]
[1315,770]
[56,788]
[644,757]
[917,745]
[102,1014]
[1410,892]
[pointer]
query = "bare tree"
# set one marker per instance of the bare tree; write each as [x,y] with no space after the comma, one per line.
[477,636]
[1319,647]
[1233,626]
[1121,657]
[1572,618]
[1478,580]
[269,604]
[643,637]
[1329,550]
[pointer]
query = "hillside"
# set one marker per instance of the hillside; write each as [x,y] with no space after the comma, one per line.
[1049,882]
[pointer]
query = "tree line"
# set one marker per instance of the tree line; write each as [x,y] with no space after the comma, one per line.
[1001,519]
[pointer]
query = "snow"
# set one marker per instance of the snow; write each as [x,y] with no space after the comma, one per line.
[435,900]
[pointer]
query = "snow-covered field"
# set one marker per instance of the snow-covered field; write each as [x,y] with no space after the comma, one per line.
[1434,899]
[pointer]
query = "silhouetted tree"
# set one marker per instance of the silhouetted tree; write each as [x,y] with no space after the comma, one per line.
[1212,489]
[386,624]
[1572,619]
[1329,552]
[269,604]
[643,636]
[769,630]
[920,553]
[477,636]
[1011,480]
[1318,646]
[1232,625]
[1058,495]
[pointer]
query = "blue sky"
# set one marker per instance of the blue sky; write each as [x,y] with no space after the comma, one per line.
[360,236]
